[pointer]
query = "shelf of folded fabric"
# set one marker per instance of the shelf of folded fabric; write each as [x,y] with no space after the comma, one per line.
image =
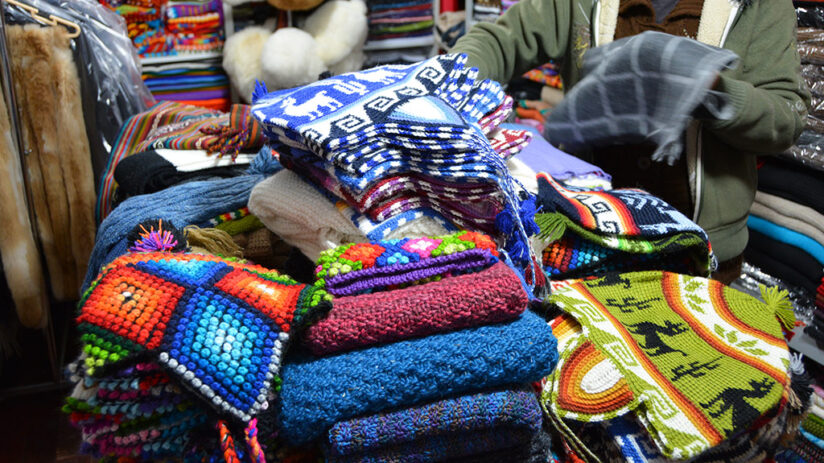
[181,58]
[398,25]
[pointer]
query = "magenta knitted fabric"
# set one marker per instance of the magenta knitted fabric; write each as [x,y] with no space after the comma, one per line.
[490,296]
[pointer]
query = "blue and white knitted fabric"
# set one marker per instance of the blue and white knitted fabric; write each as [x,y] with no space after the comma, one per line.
[420,118]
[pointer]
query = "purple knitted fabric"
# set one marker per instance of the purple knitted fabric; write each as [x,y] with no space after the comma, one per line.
[352,269]
[471,425]
[490,296]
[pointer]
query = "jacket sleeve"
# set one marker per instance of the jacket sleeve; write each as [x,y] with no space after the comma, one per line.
[529,34]
[771,99]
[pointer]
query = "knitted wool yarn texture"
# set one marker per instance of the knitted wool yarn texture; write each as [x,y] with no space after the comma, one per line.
[188,204]
[353,269]
[596,232]
[319,392]
[461,427]
[490,296]
[715,356]
[135,412]
[220,327]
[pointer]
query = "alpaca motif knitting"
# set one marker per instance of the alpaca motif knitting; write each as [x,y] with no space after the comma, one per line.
[409,372]
[705,361]
[462,427]
[597,232]
[220,327]
[490,296]
[353,269]
[367,125]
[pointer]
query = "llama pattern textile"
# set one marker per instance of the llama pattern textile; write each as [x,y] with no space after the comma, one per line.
[461,427]
[594,232]
[410,372]
[220,327]
[358,268]
[370,122]
[705,361]
[489,296]
[652,97]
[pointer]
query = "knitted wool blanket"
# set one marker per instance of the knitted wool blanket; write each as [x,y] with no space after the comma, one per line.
[410,372]
[596,232]
[220,327]
[192,203]
[704,361]
[360,268]
[652,97]
[461,427]
[489,296]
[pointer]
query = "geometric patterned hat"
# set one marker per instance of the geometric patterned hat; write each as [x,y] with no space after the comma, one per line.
[221,327]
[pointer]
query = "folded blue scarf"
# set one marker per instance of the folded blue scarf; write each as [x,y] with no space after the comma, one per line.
[319,392]
[785,235]
[186,204]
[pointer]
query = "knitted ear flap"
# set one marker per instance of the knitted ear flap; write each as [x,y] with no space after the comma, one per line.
[705,361]
[220,326]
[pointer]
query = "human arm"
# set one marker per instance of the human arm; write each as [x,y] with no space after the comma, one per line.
[768,94]
[530,33]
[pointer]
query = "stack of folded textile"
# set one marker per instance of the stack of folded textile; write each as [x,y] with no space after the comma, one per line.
[402,142]
[486,10]
[785,225]
[143,18]
[598,232]
[809,443]
[171,339]
[398,24]
[192,141]
[657,366]
[423,356]
[199,83]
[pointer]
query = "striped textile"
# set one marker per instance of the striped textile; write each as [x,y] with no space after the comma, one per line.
[704,361]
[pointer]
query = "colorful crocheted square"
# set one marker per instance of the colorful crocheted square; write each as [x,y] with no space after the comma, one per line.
[360,268]
[705,361]
[220,326]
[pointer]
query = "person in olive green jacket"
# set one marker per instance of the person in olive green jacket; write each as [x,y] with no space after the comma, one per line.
[715,182]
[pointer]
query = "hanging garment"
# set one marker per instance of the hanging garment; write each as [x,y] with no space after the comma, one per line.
[59,164]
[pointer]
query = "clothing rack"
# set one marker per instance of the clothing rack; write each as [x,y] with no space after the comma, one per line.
[17,135]
[52,20]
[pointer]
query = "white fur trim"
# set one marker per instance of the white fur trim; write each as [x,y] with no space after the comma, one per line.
[339,27]
[241,59]
[607,21]
[715,18]
[290,59]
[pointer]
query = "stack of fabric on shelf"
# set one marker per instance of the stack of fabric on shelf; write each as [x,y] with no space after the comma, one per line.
[399,24]
[808,445]
[198,83]
[164,28]
[172,338]
[409,356]
[362,138]
[785,225]
[657,366]
[599,232]
[809,149]
[486,10]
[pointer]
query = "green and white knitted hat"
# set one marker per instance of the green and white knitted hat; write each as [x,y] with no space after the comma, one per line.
[703,361]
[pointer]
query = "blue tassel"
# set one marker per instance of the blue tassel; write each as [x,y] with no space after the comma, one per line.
[260,91]
[527,212]
[505,222]
[265,163]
